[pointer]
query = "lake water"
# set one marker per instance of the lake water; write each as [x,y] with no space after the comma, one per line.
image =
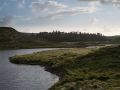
[23,77]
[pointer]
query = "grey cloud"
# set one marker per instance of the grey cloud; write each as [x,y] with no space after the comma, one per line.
[20,3]
[102,1]
[94,21]
[6,21]
[114,2]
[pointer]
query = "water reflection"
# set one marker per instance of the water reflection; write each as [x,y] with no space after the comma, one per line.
[22,77]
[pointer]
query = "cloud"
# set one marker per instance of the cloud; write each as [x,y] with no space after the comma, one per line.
[114,2]
[21,3]
[53,9]
[6,21]
[72,11]
[95,3]
[94,21]
[39,6]
[102,1]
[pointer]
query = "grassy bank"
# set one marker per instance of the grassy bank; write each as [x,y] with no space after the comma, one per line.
[85,69]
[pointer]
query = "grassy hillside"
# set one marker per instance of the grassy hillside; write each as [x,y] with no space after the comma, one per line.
[115,39]
[8,34]
[12,39]
[8,37]
[85,69]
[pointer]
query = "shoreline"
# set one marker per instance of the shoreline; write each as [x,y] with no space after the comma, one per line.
[47,66]
[73,69]
[61,47]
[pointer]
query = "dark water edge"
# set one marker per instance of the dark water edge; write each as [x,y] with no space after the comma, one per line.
[23,77]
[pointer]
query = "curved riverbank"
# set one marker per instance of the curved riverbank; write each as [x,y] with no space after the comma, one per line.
[44,58]
[23,77]
[78,68]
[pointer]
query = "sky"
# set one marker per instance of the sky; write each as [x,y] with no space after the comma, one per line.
[102,16]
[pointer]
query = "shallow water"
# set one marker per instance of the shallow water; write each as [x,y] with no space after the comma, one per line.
[23,77]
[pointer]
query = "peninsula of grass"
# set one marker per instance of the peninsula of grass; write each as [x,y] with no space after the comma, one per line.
[79,69]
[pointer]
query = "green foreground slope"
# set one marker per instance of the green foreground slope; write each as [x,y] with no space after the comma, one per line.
[79,69]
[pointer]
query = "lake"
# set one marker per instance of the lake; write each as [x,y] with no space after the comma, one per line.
[23,77]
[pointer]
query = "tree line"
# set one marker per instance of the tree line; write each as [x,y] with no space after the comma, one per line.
[70,36]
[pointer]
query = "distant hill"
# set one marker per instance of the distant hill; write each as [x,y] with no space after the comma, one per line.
[7,29]
[12,39]
[8,34]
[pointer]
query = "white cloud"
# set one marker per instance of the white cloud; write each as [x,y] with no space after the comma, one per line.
[47,5]
[53,9]
[95,3]
[72,11]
